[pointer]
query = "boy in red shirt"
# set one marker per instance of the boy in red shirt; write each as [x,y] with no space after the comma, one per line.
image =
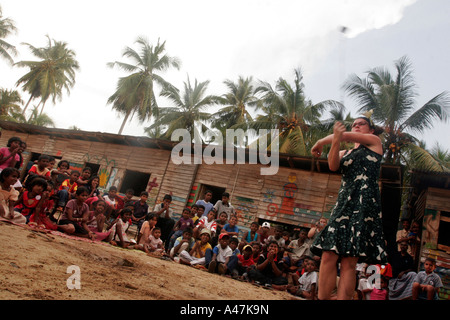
[67,189]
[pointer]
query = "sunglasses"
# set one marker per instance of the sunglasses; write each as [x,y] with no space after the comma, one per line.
[359,124]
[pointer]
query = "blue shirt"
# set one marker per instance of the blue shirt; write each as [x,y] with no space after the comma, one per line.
[208,206]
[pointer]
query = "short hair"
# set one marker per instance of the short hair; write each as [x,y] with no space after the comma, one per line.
[44,157]
[274,242]
[87,169]
[429,259]
[125,210]
[75,171]
[81,190]
[194,206]
[13,139]
[234,239]
[201,206]
[226,194]
[130,191]
[167,197]
[208,191]
[144,193]
[188,230]
[187,209]
[113,188]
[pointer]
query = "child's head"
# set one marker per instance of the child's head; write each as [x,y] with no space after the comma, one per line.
[310,264]
[233,220]
[99,206]
[23,147]
[9,176]
[63,165]
[234,242]
[415,227]
[186,214]
[144,196]
[211,215]
[194,210]
[254,226]
[286,235]
[14,143]
[256,246]
[112,192]
[82,194]
[225,197]
[224,239]
[74,175]
[130,193]
[429,265]
[208,195]
[51,162]
[37,185]
[152,219]
[205,235]
[43,161]
[125,214]
[94,181]
[247,251]
[187,234]
[303,234]
[265,227]
[201,210]
[223,217]
[156,232]
[278,231]
[86,173]
[406,224]
[273,247]
[167,200]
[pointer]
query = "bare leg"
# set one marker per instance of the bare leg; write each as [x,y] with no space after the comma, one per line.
[347,281]
[327,275]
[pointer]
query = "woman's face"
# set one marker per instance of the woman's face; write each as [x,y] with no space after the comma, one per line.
[361,125]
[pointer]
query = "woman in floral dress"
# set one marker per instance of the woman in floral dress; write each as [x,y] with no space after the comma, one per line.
[354,232]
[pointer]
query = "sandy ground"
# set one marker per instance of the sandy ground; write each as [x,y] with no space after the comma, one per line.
[36,266]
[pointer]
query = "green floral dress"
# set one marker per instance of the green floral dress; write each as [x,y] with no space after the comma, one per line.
[355,227]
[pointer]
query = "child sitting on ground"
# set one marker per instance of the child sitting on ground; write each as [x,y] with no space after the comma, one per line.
[182,224]
[153,243]
[185,242]
[307,284]
[207,222]
[40,169]
[119,227]
[220,223]
[96,222]
[251,236]
[150,222]
[427,283]
[218,258]
[29,199]
[9,196]
[68,189]
[196,256]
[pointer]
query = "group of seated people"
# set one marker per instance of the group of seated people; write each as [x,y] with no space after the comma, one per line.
[206,235]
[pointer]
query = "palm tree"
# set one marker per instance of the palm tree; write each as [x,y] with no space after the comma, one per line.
[392,99]
[135,93]
[286,108]
[47,77]
[7,27]
[188,112]
[240,96]
[10,101]
[418,157]
[36,118]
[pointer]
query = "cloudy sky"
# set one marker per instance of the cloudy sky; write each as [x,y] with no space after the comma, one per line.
[218,40]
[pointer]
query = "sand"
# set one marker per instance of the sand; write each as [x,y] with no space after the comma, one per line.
[36,266]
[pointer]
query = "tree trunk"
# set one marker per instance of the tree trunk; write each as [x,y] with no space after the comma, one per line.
[26,106]
[124,121]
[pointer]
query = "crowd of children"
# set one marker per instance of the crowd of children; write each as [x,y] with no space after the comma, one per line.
[207,236]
